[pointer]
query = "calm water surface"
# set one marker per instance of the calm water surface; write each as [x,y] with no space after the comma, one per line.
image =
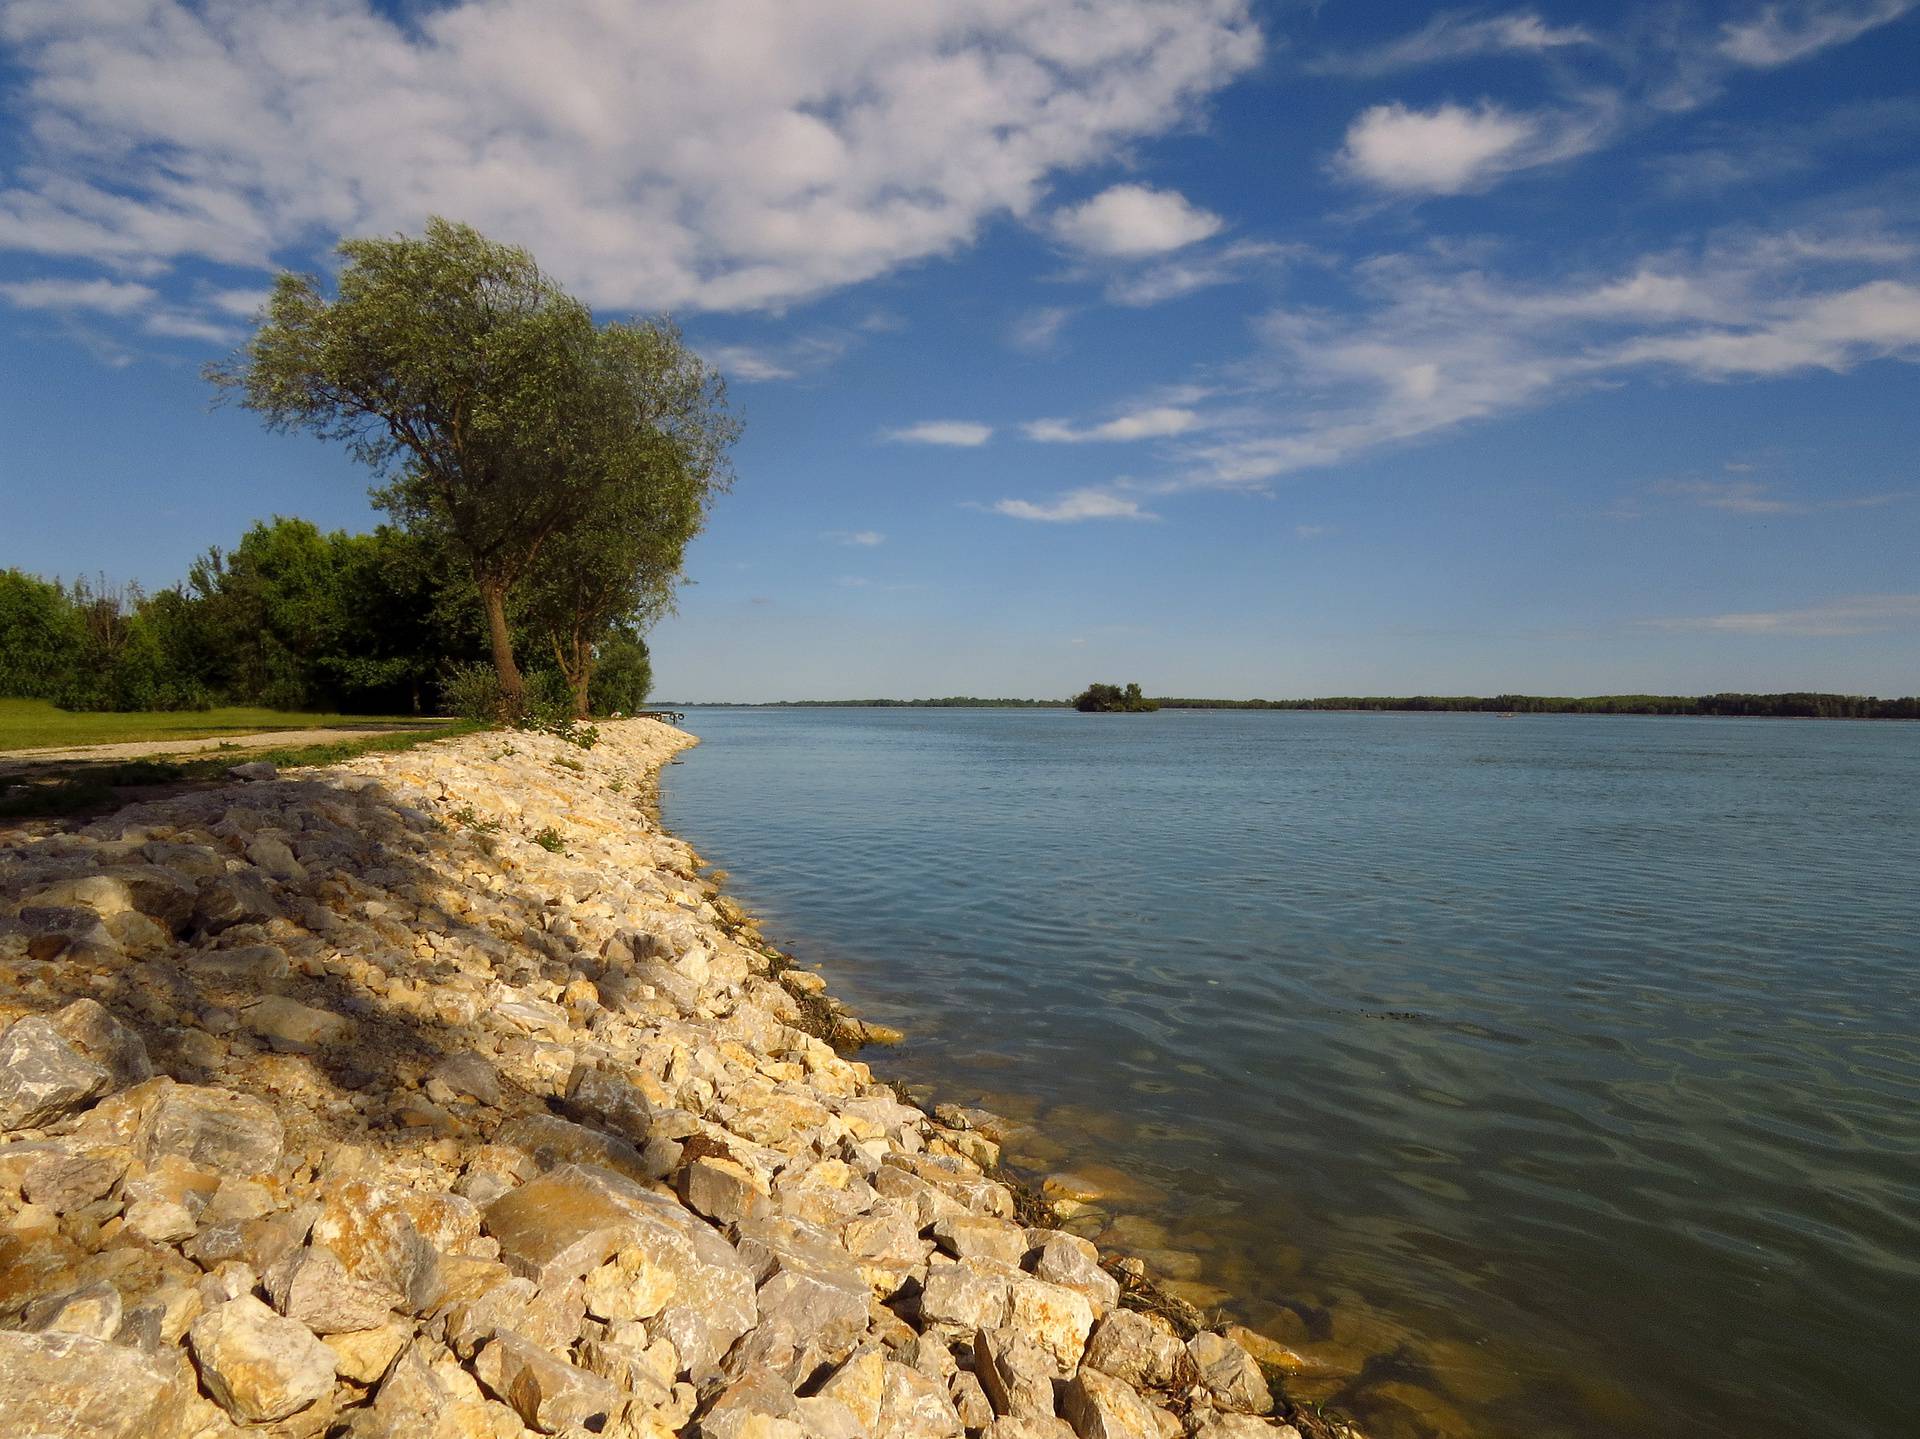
[1555,1076]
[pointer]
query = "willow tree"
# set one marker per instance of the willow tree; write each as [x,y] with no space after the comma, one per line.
[479,392]
[615,571]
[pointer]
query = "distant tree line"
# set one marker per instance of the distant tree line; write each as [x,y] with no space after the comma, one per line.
[1795,705]
[291,618]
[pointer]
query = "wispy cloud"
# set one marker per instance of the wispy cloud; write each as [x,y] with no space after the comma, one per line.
[1156,422]
[107,297]
[1860,615]
[1459,35]
[792,358]
[1753,497]
[963,433]
[1783,33]
[1083,504]
[865,539]
[1428,345]
[1155,284]
[1037,332]
[1128,221]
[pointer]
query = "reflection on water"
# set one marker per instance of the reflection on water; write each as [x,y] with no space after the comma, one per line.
[1555,1077]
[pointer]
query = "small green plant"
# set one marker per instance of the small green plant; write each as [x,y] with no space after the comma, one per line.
[549,840]
[469,819]
[617,784]
[572,764]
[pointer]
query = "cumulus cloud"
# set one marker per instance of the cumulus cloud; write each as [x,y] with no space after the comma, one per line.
[1781,34]
[1083,504]
[107,297]
[1860,615]
[734,155]
[1133,220]
[1156,422]
[962,433]
[1459,35]
[1441,151]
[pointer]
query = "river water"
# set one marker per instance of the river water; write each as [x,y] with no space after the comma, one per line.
[1548,1076]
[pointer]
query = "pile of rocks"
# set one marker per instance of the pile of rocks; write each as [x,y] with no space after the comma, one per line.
[430,1095]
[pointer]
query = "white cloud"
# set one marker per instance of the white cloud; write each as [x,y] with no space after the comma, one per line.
[963,433]
[1149,424]
[244,304]
[1457,35]
[1781,34]
[733,155]
[786,359]
[866,539]
[1441,151]
[1083,504]
[1860,615]
[1133,220]
[108,297]
[1740,497]
[1311,532]
[749,363]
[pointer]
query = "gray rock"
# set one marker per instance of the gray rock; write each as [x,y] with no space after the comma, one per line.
[723,1190]
[42,1076]
[68,1386]
[469,1075]
[552,1142]
[258,1366]
[1069,1260]
[89,1028]
[313,1286]
[1099,1406]
[1139,1349]
[548,1393]
[253,771]
[292,1027]
[603,1098]
[973,1236]
[94,1311]
[250,965]
[233,1133]
[1015,1373]
[64,1181]
[1230,1374]
[914,1405]
[224,900]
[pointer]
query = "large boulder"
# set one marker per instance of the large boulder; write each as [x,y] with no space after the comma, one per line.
[43,1076]
[258,1366]
[69,1386]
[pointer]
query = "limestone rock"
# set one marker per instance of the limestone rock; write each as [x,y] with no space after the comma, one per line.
[94,1311]
[313,1286]
[1099,1406]
[971,1236]
[723,1190]
[258,1366]
[227,1132]
[1244,1426]
[1058,1319]
[42,1076]
[1230,1374]
[1016,1374]
[1067,1259]
[914,1405]
[288,1025]
[69,1386]
[1140,1349]
[254,770]
[548,1393]
[89,1028]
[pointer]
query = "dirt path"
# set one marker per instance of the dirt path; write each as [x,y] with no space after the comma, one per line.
[20,759]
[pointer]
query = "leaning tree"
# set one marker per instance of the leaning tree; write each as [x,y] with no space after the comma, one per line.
[484,397]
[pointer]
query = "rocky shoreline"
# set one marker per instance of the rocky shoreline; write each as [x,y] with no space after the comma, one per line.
[434,1094]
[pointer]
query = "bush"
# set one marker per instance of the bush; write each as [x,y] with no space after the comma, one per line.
[622,675]
[471,690]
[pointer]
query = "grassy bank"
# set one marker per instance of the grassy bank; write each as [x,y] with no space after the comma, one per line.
[37,724]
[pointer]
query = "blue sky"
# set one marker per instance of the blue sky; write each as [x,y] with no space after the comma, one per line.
[1237,349]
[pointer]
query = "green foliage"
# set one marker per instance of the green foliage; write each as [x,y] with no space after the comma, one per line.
[40,635]
[622,675]
[503,421]
[549,840]
[1112,699]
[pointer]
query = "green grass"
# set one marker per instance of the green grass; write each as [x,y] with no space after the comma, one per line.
[36,724]
[83,788]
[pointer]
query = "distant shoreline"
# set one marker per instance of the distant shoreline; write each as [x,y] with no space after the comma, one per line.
[1788,705]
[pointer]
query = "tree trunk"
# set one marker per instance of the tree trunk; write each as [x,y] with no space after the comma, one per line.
[512,689]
